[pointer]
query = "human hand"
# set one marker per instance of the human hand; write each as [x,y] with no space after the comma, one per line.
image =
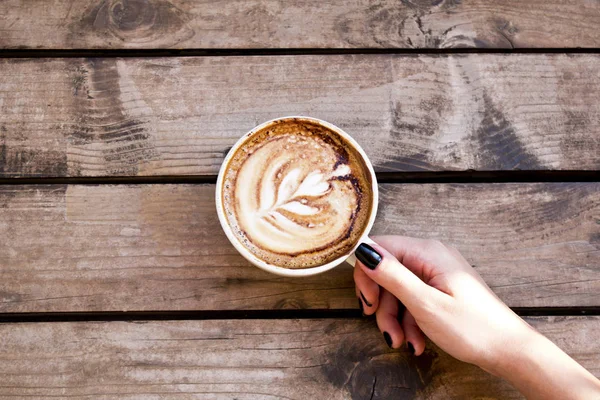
[444,297]
[448,301]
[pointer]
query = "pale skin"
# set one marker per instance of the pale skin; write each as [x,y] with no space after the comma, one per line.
[447,300]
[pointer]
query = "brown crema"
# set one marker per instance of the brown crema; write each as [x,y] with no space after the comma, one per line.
[296,194]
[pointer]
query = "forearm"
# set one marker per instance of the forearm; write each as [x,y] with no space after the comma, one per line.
[541,370]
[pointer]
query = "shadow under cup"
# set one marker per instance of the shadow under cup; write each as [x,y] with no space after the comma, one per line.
[271,267]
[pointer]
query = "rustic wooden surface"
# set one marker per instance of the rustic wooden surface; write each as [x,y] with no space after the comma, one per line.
[179,116]
[93,248]
[239,24]
[160,247]
[251,359]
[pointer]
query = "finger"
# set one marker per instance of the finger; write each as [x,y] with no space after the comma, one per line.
[423,257]
[418,255]
[413,334]
[387,319]
[433,262]
[367,291]
[383,268]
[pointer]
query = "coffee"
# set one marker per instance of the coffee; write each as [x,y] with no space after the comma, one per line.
[296,194]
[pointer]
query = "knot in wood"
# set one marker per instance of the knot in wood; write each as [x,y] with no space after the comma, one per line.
[366,368]
[148,22]
[131,15]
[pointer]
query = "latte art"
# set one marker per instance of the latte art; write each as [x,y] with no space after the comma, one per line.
[290,206]
[296,195]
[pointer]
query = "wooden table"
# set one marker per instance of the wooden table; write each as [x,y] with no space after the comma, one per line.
[482,119]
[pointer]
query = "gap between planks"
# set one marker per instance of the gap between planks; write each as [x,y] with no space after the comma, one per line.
[124,53]
[382,177]
[249,314]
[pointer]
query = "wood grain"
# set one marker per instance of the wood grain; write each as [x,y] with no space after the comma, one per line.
[179,116]
[239,24]
[160,247]
[251,359]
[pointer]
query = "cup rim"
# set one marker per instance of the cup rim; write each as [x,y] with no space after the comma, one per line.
[247,254]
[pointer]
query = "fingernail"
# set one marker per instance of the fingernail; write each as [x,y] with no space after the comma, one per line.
[388,339]
[362,309]
[368,256]
[411,348]
[365,300]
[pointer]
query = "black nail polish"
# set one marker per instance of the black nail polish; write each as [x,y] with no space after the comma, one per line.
[362,309]
[411,348]
[365,300]
[368,256]
[388,339]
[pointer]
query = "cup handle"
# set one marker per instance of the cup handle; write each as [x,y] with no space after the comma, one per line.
[352,258]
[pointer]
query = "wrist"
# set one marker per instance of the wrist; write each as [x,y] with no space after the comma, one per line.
[541,370]
[514,354]
[510,344]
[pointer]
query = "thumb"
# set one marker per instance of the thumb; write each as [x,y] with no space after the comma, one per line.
[382,267]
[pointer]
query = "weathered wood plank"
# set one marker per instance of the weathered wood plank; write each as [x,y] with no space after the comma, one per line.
[178,116]
[251,359]
[160,247]
[143,24]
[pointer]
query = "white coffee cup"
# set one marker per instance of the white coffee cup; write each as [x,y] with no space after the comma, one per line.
[348,257]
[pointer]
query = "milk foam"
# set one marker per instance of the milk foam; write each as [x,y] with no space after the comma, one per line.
[295,199]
